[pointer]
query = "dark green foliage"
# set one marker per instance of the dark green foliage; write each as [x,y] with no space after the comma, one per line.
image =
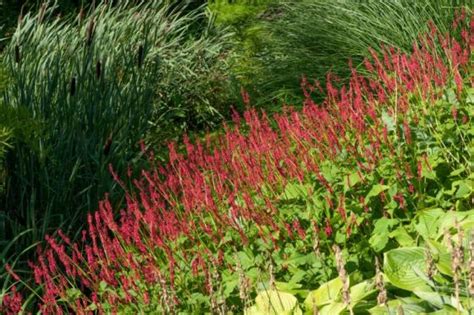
[82,93]
[313,37]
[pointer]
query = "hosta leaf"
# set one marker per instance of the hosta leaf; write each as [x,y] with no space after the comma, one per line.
[273,302]
[435,298]
[428,221]
[362,290]
[399,306]
[253,310]
[465,219]
[402,267]
[325,294]
[441,256]
[335,308]
[401,235]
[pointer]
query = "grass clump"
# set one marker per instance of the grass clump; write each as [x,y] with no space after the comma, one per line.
[311,38]
[94,84]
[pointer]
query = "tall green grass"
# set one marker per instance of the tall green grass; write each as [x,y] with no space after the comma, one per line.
[92,85]
[313,37]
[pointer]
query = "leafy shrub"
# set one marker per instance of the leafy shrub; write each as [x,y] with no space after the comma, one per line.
[93,83]
[245,19]
[313,37]
[266,208]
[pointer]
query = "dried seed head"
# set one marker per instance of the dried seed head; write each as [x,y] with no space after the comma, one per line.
[471,264]
[17,54]
[346,298]
[42,12]
[20,16]
[98,69]
[379,283]
[460,245]
[317,245]
[447,240]
[272,276]
[108,144]
[315,307]
[140,56]
[81,15]
[244,282]
[430,264]
[90,32]
[72,86]
[456,262]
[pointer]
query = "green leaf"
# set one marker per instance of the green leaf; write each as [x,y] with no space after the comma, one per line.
[361,290]
[375,191]
[273,302]
[464,218]
[292,288]
[388,121]
[402,266]
[102,286]
[441,256]
[428,222]
[434,298]
[401,235]
[457,171]
[73,293]
[380,235]
[295,191]
[245,260]
[325,294]
[351,180]
[399,306]
[464,190]
[332,309]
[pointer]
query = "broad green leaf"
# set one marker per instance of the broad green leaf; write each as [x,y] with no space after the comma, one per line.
[402,267]
[375,191]
[229,286]
[273,302]
[457,171]
[441,257]
[335,308]
[325,294]
[330,171]
[245,261]
[464,219]
[446,310]
[351,180]
[253,310]
[288,287]
[428,221]
[464,190]
[398,306]
[435,298]
[401,235]
[380,235]
[361,290]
